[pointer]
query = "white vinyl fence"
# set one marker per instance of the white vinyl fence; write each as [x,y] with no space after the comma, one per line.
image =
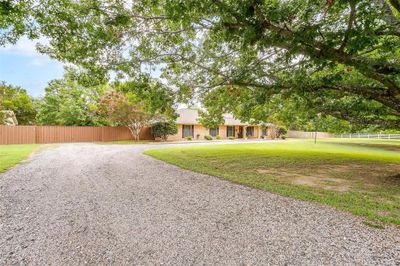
[308,135]
[369,136]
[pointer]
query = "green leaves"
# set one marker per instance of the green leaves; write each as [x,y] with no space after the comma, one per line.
[67,102]
[164,129]
[155,97]
[296,48]
[17,100]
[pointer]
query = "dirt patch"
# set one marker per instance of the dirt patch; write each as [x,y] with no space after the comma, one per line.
[317,180]
[339,178]
[327,183]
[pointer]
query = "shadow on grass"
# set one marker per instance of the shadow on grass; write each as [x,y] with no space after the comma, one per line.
[384,146]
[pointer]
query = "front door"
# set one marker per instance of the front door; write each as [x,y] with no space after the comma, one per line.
[240,132]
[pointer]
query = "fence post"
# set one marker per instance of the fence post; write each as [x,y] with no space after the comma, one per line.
[36,134]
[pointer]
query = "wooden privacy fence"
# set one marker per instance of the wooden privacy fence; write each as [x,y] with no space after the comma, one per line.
[59,134]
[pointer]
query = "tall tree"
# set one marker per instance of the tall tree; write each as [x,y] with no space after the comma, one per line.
[69,103]
[330,50]
[16,99]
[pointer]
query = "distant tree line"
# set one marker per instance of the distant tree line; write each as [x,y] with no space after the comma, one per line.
[71,101]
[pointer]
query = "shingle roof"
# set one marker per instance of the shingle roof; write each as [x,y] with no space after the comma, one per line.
[190,117]
[230,120]
[187,116]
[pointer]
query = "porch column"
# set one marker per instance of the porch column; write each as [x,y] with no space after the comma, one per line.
[245,132]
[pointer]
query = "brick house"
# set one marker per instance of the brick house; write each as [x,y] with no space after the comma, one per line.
[189,126]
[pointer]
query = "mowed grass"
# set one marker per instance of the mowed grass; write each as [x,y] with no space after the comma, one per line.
[359,176]
[11,155]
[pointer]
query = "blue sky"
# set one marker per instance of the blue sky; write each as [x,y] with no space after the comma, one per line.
[22,65]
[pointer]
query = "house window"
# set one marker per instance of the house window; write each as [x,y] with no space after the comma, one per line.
[187,131]
[214,132]
[230,131]
[249,131]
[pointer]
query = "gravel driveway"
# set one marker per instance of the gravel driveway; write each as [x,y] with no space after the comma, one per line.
[110,204]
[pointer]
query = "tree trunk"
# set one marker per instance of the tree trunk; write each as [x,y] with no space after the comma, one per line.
[132,132]
[138,133]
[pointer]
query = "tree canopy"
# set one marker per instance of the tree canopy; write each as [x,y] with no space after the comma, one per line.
[69,103]
[125,111]
[342,57]
[17,100]
[75,100]
[155,97]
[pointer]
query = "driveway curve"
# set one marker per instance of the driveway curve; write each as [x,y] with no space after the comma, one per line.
[110,204]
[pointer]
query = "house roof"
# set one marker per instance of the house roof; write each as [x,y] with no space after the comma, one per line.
[230,120]
[187,116]
[190,117]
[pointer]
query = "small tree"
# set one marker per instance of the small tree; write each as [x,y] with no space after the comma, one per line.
[164,129]
[120,111]
[281,132]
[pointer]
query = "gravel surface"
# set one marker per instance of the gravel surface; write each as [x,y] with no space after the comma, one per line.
[110,204]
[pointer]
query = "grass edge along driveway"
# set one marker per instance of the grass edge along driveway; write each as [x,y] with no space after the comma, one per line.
[11,155]
[359,176]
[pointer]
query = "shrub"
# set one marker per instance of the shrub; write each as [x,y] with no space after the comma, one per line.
[207,137]
[197,136]
[231,138]
[189,138]
[2,118]
[218,137]
[280,131]
[283,137]
[164,129]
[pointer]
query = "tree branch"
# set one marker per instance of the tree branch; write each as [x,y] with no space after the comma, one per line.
[395,4]
[352,18]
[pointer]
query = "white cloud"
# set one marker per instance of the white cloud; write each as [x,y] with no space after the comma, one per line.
[27,48]
[24,47]
[39,61]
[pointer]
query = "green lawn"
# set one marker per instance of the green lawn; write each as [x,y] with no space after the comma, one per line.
[10,155]
[359,176]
